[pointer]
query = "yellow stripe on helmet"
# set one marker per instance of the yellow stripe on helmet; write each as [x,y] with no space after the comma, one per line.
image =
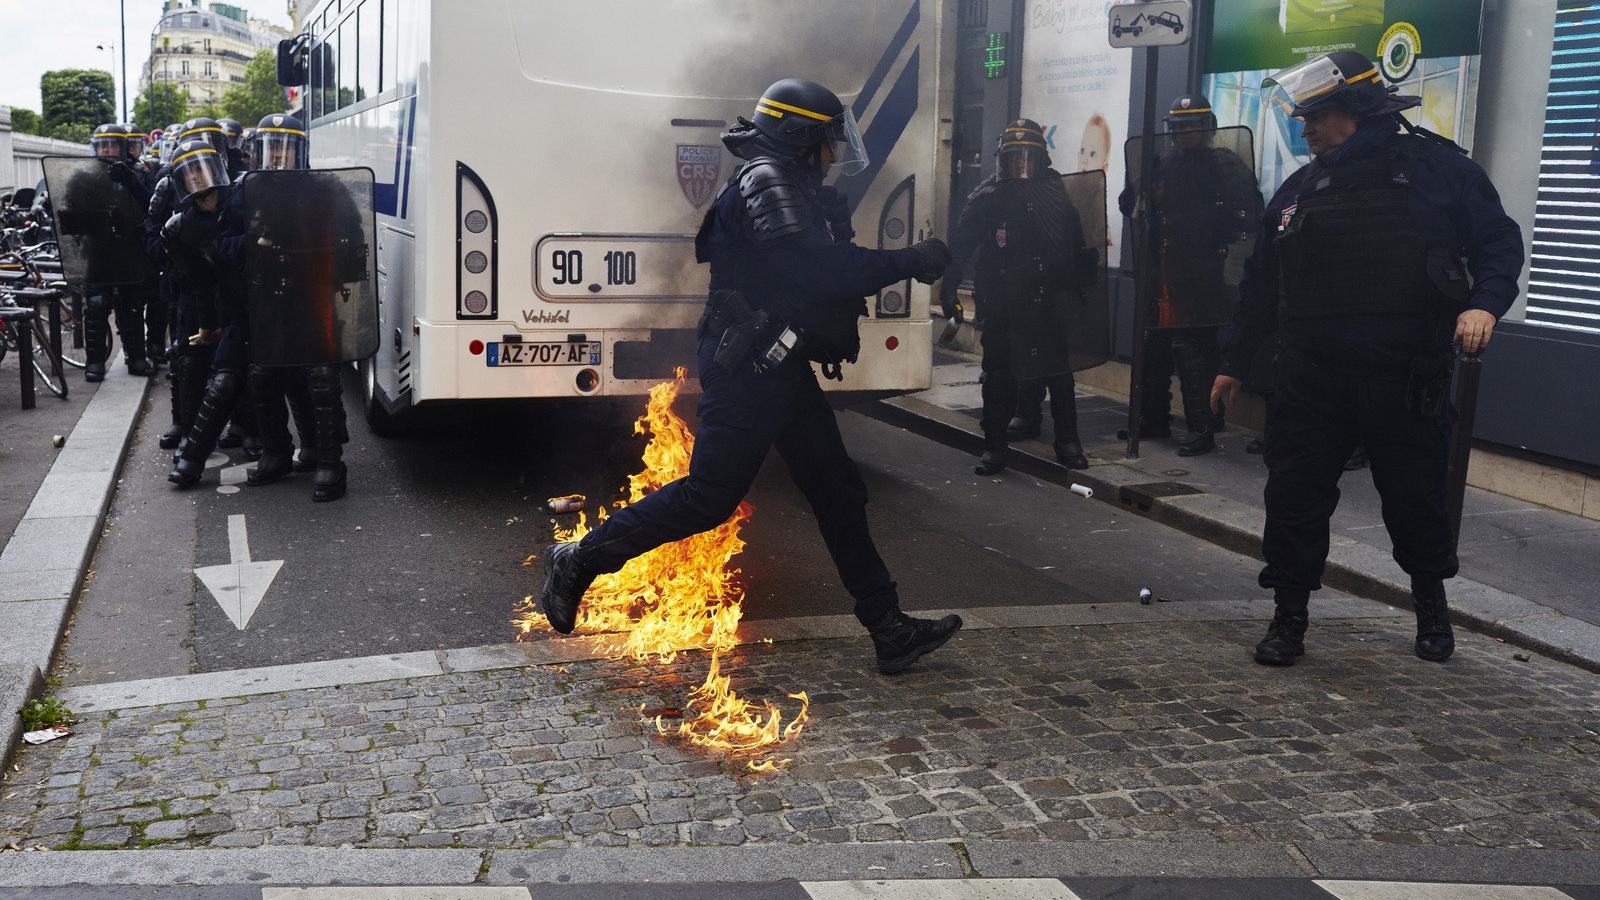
[1190,112]
[281,131]
[204,130]
[194,153]
[768,112]
[795,109]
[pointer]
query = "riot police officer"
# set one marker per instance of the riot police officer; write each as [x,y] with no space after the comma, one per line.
[313,392]
[1374,259]
[1030,248]
[787,289]
[233,134]
[119,148]
[1202,199]
[208,300]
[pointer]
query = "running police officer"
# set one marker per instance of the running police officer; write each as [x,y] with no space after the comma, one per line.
[787,289]
[119,148]
[313,392]
[1202,202]
[1030,248]
[1374,259]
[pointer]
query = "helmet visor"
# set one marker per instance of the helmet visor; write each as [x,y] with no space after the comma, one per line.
[1021,162]
[849,152]
[199,171]
[279,149]
[1308,84]
[107,146]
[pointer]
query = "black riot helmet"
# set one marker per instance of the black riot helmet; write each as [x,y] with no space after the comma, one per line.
[793,120]
[1022,150]
[132,141]
[109,142]
[1191,112]
[1345,80]
[233,131]
[280,143]
[197,167]
[207,130]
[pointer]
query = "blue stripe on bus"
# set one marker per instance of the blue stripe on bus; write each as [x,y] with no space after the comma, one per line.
[886,129]
[885,62]
[393,198]
[411,133]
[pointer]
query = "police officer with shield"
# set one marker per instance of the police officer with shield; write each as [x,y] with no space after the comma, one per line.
[787,289]
[270,230]
[1196,220]
[119,150]
[1032,260]
[1389,247]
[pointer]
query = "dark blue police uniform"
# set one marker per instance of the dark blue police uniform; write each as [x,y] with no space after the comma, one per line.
[1365,260]
[805,277]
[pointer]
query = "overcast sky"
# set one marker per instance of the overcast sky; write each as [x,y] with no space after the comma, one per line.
[40,35]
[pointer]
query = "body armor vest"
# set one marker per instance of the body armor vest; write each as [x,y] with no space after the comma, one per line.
[1350,248]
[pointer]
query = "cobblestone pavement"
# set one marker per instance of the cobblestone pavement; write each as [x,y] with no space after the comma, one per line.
[1160,733]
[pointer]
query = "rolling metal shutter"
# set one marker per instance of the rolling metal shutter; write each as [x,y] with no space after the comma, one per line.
[1564,285]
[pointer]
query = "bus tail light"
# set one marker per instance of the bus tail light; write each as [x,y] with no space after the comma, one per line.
[477,248]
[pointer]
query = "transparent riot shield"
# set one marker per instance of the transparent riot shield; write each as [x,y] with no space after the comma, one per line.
[1088,299]
[1053,237]
[99,221]
[310,266]
[1195,224]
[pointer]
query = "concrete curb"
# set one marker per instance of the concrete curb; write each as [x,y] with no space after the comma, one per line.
[46,556]
[764,863]
[1352,566]
[550,652]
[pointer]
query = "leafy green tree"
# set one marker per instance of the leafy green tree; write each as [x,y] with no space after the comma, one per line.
[25,121]
[161,105]
[208,110]
[260,95]
[75,101]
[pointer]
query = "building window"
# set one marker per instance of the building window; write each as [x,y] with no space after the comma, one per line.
[371,35]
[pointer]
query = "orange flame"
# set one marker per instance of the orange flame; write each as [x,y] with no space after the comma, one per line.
[681,596]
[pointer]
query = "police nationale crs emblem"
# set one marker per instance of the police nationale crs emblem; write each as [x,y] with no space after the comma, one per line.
[699,170]
[1000,237]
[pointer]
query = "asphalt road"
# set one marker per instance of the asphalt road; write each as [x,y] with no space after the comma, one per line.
[427,550]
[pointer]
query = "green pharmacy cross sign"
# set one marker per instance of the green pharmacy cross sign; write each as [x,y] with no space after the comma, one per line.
[994,56]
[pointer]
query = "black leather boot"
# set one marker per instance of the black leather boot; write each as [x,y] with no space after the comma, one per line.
[992,462]
[1194,379]
[1064,412]
[190,461]
[328,407]
[1435,640]
[902,640]
[1070,454]
[1025,425]
[272,420]
[1022,428]
[175,375]
[566,580]
[96,337]
[139,367]
[1285,640]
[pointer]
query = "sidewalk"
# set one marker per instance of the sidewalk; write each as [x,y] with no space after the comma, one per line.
[1528,573]
[1120,723]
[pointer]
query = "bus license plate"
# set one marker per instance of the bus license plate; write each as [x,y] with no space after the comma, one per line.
[551,353]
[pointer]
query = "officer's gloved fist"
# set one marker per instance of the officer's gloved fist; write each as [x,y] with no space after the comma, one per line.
[836,209]
[121,173]
[933,257]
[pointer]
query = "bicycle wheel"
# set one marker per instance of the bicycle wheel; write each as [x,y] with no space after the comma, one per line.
[45,364]
[77,357]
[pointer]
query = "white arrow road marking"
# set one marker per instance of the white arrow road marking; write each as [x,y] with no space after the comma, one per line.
[239,585]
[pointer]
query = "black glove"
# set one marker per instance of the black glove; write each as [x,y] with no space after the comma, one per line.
[172,229]
[836,209]
[933,258]
[121,173]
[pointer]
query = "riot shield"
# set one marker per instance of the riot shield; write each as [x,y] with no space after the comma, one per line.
[1195,224]
[99,222]
[310,266]
[1053,239]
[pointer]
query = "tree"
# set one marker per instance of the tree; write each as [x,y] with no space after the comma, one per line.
[25,121]
[260,95]
[75,101]
[161,105]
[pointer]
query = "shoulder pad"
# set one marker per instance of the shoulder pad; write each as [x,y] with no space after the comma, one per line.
[776,202]
[161,199]
[984,188]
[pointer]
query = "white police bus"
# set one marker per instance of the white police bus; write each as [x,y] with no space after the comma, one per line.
[542,168]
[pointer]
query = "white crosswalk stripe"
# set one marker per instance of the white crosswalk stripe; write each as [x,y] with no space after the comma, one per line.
[396,893]
[972,889]
[1400,890]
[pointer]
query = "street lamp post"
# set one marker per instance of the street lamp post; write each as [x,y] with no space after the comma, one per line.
[113,48]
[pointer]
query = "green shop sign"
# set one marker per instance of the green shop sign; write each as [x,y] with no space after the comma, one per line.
[1257,35]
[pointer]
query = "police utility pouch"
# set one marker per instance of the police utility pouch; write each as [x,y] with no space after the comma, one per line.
[1428,386]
